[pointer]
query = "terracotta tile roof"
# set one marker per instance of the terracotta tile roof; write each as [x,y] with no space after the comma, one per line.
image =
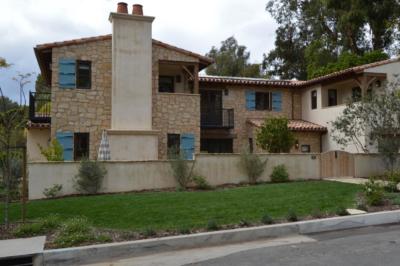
[247,81]
[30,124]
[294,125]
[109,36]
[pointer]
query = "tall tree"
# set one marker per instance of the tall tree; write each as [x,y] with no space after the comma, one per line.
[232,59]
[3,63]
[318,31]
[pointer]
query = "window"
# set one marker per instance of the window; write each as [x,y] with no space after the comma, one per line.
[216,145]
[173,144]
[305,148]
[83,74]
[263,101]
[356,94]
[251,147]
[166,84]
[332,97]
[313,99]
[81,146]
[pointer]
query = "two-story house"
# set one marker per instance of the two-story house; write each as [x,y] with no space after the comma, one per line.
[149,98]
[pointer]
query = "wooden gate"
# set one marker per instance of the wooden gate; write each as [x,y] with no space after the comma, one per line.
[337,164]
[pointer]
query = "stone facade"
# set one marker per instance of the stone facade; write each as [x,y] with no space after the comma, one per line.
[83,110]
[307,138]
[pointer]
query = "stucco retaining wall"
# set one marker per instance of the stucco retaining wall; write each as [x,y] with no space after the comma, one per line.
[125,176]
[366,165]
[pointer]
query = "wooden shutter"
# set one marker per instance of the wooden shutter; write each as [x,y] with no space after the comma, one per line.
[277,101]
[66,73]
[251,100]
[66,140]
[187,145]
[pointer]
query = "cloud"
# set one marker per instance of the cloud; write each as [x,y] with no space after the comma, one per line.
[193,25]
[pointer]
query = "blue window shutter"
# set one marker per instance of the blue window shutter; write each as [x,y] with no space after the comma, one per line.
[277,101]
[66,73]
[66,140]
[251,100]
[187,145]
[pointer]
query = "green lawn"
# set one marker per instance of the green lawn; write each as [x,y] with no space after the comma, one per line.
[172,210]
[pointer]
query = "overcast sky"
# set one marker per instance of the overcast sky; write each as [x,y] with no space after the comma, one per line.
[192,25]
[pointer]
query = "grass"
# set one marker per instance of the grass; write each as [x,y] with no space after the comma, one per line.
[173,210]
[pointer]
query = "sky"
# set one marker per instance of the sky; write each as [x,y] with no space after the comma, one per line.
[192,25]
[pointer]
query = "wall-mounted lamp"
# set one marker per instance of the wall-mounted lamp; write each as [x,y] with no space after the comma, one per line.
[296,144]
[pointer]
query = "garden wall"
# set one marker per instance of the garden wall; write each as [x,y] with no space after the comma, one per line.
[126,176]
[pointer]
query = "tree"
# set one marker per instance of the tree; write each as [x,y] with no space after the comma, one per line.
[274,135]
[3,63]
[232,59]
[40,84]
[319,31]
[375,120]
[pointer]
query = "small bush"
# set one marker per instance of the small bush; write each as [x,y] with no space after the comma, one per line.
[74,231]
[374,192]
[180,167]
[279,174]
[212,225]
[40,227]
[149,232]
[53,153]
[252,165]
[317,213]
[52,191]
[244,223]
[201,183]
[361,202]
[74,239]
[90,176]
[266,219]
[292,216]
[341,211]
[393,178]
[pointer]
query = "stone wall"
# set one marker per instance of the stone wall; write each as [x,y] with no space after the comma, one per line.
[308,138]
[83,110]
[176,113]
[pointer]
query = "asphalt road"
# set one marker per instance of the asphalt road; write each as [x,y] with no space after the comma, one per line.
[367,246]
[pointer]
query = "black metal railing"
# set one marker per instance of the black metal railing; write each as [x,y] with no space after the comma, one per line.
[40,107]
[217,118]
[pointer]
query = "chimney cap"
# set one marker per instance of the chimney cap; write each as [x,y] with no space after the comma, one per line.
[122,7]
[137,10]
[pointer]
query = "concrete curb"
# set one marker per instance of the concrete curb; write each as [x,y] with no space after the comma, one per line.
[96,253]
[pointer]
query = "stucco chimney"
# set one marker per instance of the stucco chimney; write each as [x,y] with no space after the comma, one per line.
[122,7]
[137,10]
[131,72]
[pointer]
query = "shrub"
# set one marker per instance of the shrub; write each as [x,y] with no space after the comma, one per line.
[54,152]
[279,174]
[292,216]
[374,192]
[244,223]
[53,191]
[90,176]
[341,211]
[212,225]
[275,136]
[393,178]
[266,219]
[74,231]
[361,202]
[40,227]
[180,167]
[252,165]
[201,183]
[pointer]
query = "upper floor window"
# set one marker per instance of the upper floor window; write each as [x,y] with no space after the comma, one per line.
[166,84]
[356,94]
[332,97]
[83,74]
[263,101]
[314,99]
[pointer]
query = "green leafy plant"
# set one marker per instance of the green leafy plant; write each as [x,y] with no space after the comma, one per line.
[74,231]
[90,176]
[201,182]
[374,192]
[181,168]
[244,223]
[39,227]
[54,152]
[279,174]
[393,179]
[361,202]
[149,232]
[52,191]
[252,165]
[212,225]
[184,230]
[341,211]
[266,219]
[292,216]
[274,135]
[317,213]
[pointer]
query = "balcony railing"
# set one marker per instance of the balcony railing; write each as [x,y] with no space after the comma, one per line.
[40,107]
[217,118]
